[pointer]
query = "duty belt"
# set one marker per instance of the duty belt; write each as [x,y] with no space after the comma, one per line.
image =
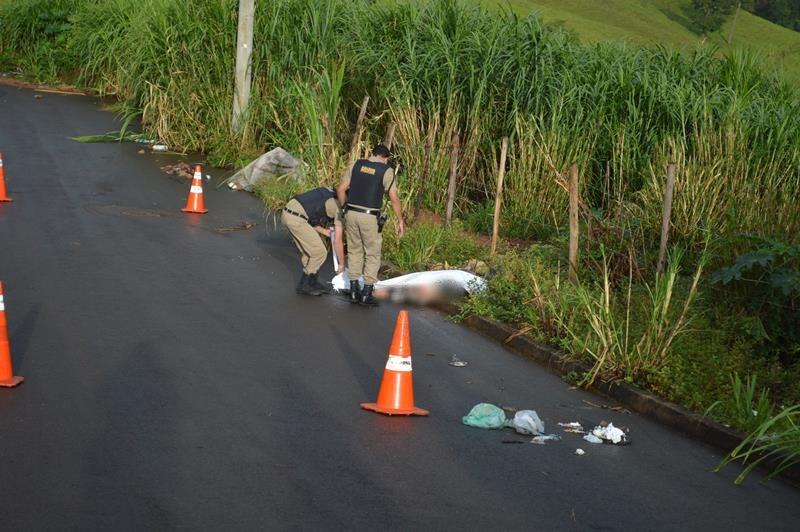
[373,212]
[303,216]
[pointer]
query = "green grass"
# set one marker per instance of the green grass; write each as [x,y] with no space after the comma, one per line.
[652,22]
[776,439]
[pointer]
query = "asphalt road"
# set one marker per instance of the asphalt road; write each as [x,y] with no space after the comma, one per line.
[175,380]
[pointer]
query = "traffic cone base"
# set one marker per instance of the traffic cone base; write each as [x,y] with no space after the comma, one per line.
[396,395]
[12,382]
[375,408]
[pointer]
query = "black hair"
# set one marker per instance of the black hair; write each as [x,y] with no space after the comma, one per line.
[381,151]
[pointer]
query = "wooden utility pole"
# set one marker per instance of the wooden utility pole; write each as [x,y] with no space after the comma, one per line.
[665,219]
[389,136]
[573,223]
[423,176]
[357,133]
[244,52]
[451,185]
[498,199]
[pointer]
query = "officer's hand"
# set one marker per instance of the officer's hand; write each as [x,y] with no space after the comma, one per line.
[399,228]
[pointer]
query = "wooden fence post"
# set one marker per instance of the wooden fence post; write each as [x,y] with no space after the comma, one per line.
[423,176]
[665,219]
[389,136]
[573,223]
[498,199]
[451,185]
[357,133]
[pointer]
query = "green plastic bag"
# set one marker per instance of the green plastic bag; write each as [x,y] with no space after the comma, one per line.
[485,416]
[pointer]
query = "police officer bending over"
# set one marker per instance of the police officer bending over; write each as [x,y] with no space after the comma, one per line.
[308,217]
[361,192]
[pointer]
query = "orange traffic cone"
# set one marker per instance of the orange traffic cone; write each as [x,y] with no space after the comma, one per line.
[7,378]
[396,396]
[3,196]
[194,203]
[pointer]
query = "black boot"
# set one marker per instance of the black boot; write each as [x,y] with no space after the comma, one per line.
[355,292]
[308,289]
[301,284]
[313,280]
[367,299]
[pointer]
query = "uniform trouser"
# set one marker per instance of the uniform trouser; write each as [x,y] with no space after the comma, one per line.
[363,246]
[312,250]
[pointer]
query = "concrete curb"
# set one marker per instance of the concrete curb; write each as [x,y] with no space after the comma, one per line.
[689,423]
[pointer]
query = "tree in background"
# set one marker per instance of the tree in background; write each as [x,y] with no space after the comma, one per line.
[708,15]
[783,12]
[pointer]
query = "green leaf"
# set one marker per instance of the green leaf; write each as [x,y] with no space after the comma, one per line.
[787,281]
[757,258]
[726,275]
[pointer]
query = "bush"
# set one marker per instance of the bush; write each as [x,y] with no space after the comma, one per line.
[765,283]
[708,15]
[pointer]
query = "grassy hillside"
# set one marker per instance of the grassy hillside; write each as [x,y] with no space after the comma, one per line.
[663,21]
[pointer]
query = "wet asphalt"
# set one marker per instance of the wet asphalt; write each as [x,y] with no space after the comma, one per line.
[175,380]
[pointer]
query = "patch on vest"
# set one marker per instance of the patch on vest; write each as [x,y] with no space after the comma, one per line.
[367,170]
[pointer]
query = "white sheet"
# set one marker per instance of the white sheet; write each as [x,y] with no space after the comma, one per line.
[469,282]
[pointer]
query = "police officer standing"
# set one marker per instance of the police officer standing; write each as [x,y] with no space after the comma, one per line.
[308,217]
[361,192]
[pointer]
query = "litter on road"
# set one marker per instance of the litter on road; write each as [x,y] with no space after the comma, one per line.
[275,163]
[608,434]
[485,416]
[457,362]
[244,226]
[528,422]
[181,170]
[541,440]
[580,452]
[573,427]
[591,438]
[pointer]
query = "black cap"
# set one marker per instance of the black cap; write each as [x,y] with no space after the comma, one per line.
[381,151]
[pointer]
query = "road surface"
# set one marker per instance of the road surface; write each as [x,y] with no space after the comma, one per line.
[175,380]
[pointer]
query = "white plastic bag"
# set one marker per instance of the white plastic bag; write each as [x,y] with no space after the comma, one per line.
[274,163]
[528,422]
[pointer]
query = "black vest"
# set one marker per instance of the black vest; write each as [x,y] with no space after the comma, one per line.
[366,184]
[313,202]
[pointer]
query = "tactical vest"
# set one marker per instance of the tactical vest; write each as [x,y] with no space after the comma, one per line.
[366,184]
[313,203]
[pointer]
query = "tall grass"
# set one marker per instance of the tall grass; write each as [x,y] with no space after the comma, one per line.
[745,408]
[775,441]
[620,111]
[606,329]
